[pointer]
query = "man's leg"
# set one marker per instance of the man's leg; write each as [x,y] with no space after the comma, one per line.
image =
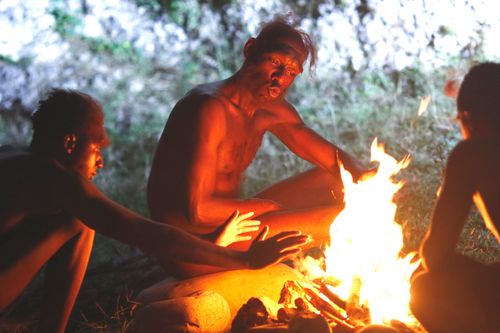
[63,277]
[314,187]
[457,301]
[28,247]
[311,201]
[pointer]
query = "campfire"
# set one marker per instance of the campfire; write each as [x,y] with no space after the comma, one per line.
[362,278]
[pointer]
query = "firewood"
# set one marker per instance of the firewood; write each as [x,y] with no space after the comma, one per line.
[306,323]
[292,295]
[323,288]
[269,328]
[286,314]
[357,313]
[301,304]
[253,313]
[328,311]
[321,303]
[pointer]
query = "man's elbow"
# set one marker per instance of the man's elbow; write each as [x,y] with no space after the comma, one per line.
[197,214]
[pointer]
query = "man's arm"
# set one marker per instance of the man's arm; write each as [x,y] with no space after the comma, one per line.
[82,199]
[204,207]
[451,210]
[309,145]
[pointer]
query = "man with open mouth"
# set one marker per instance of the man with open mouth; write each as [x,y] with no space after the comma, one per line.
[214,132]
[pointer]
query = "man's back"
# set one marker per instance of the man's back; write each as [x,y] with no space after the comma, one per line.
[26,186]
[485,155]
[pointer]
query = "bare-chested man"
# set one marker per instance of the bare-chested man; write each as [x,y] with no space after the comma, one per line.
[49,210]
[214,131]
[455,293]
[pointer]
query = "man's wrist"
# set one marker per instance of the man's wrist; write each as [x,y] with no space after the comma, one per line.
[243,258]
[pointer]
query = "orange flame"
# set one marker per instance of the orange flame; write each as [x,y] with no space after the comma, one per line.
[365,245]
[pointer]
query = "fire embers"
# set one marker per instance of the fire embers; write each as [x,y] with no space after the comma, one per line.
[309,308]
[300,309]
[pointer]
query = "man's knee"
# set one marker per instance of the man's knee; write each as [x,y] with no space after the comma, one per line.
[421,290]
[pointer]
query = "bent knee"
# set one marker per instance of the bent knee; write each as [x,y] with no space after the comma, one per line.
[422,287]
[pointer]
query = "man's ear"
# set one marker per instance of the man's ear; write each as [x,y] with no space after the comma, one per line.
[69,143]
[248,46]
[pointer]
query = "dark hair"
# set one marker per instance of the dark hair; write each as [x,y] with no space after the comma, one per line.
[277,28]
[65,111]
[479,94]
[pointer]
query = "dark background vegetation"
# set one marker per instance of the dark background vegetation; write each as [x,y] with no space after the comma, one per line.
[148,53]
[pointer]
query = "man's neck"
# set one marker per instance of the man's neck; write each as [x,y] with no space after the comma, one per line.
[235,89]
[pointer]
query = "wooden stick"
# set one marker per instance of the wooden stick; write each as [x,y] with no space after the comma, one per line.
[323,288]
[322,304]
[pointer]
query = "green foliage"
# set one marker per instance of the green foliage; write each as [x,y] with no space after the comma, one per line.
[120,50]
[66,23]
[23,62]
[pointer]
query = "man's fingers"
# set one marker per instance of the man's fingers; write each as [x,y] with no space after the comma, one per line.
[262,235]
[249,223]
[292,242]
[248,229]
[289,254]
[285,234]
[242,238]
[246,215]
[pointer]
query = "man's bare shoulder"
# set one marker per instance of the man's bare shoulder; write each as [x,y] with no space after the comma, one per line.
[475,151]
[475,163]
[24,170]
[31,184]
[204,96]
[284,111]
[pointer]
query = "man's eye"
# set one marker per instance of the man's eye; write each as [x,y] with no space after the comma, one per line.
[275,61]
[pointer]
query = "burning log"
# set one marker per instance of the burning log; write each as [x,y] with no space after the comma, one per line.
[321,302]
[322,286]
[329,310]
[358,313]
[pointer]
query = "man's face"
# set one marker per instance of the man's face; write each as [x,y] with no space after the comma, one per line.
[87,159]
[273,72]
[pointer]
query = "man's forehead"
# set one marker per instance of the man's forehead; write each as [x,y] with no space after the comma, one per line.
[297,53]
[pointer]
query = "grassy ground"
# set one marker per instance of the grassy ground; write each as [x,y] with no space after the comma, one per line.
[349,111]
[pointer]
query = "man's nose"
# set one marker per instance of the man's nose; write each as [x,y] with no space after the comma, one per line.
[99,163]
[278,75]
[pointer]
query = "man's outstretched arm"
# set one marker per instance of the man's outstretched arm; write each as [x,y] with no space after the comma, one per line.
[310,146]
[82,199]
[450,212]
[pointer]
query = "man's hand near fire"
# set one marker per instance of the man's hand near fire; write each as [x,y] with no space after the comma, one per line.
[235,228]
[264,252]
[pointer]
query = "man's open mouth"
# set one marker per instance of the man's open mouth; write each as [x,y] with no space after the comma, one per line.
[274,92]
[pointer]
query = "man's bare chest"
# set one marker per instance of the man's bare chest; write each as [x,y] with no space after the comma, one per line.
[237,151]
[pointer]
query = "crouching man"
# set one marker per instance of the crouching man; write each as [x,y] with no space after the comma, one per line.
[455,293]
[49,210]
